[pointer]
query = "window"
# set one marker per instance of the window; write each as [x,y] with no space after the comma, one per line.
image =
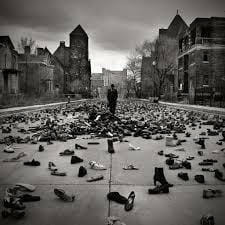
[205,57]
[206,80]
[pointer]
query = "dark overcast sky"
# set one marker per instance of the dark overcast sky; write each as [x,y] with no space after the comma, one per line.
[114,26]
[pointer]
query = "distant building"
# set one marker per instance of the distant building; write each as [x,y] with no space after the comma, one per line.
[201,59]
[97,84]
[118,78]
[75,59]
[36,76]
[176,27]
[9,73]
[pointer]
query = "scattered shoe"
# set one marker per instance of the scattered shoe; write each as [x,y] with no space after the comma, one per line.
[52,166]
[130,167]
[159,189]
[96,166]
[75,159]
[66,152]
[95,178]
[82,171]
[200,179]
[183,176]
[133,148]
[77,146]
[57,173]
[32,163]
[63,196]
[116,197]
[41,148]
[130,202]
[207,220]
[219,175]
[212,193]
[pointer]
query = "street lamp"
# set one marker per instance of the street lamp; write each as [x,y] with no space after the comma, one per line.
[154,65]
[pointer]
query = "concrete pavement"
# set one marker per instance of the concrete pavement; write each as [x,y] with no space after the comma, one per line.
[184,204]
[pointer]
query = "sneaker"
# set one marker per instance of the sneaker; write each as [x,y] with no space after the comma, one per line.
[176,165]
[171,155]
[75,159]
[29,198]
[170,161]
[96,166]
[9,149]
[190,158]
[133,148]
[63,196]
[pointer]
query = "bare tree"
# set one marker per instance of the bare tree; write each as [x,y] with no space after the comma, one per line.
[134,61]
[164,54]
[26,41]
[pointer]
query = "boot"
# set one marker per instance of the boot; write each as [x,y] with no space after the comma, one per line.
[110,146]
[159,176]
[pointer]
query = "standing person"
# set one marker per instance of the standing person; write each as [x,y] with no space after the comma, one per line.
[112,96]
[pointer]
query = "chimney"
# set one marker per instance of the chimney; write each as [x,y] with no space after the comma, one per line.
[27,49]
[40,51]
[62,43]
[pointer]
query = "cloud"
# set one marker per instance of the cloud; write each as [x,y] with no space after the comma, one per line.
[113,26]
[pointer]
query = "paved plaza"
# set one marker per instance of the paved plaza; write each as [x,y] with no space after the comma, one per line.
[183,205]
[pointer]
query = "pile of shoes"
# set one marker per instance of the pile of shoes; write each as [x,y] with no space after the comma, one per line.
[15,198]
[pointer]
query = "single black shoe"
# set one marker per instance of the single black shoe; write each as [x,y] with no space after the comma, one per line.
[200,153]
[77,146]
[200,179]
[160,177]
[219,175]
[76,159]
[183,176]
[116,197]
[82,171]
[29,198]
[201,142]
[186,165]
[169,161]
[17,214]
[41,148]
[159,189]
[160,152]
[110,146]
[32,163]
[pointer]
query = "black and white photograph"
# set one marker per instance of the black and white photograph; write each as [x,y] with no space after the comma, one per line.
[112,112]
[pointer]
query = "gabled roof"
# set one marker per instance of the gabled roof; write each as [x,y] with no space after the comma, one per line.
[79,31]
[177,26]
[7,41]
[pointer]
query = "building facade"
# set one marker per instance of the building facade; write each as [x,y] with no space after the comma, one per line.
[75,59]
[118,78]
[201,59]
[36,76]
[97,84]
[9,73]
[148,71]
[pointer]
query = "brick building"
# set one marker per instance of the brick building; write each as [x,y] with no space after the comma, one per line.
[118,78]
[9,73]
[176,27]
[75,59]
[97,84]
[201,59]
[36,76]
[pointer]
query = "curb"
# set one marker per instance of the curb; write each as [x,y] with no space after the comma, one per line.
[11,111]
